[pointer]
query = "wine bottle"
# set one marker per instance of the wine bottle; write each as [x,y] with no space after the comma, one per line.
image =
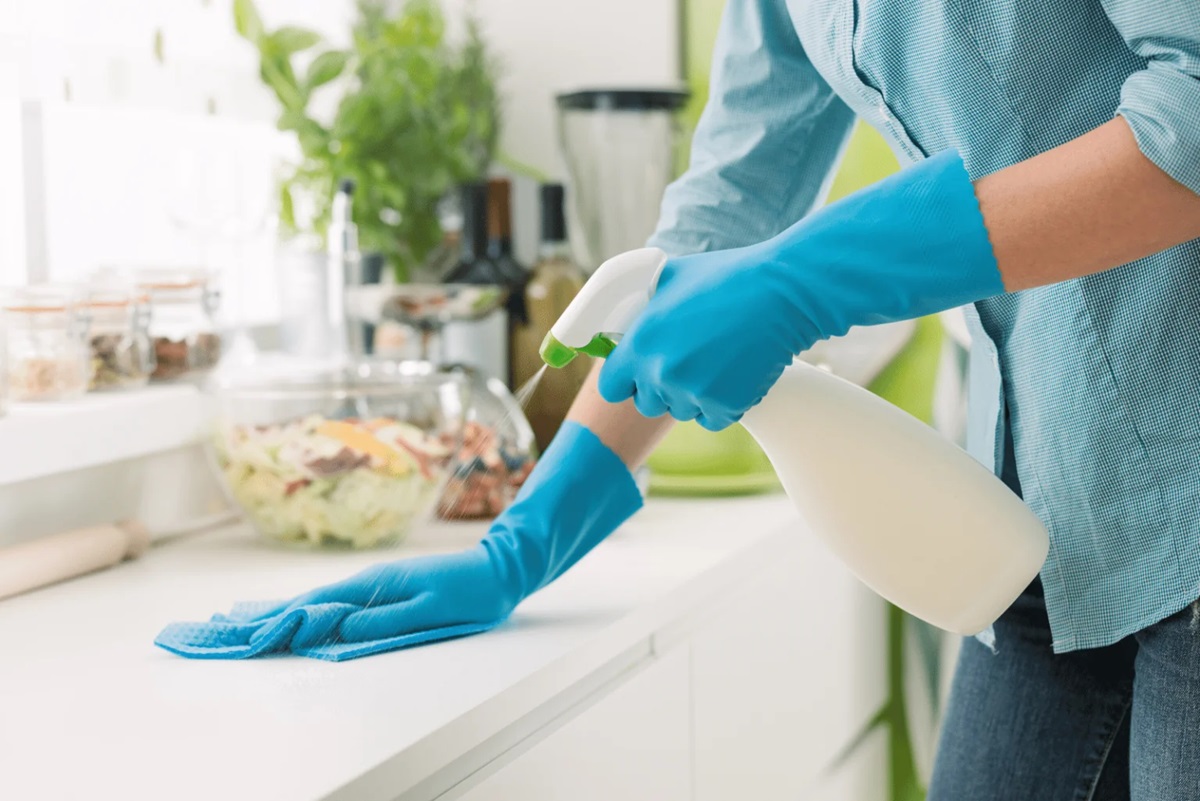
[475,265]
[483,344]
[553,283]
[500,247]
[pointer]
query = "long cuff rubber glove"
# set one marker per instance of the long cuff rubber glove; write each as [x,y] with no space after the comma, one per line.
[722,326]
[578,494]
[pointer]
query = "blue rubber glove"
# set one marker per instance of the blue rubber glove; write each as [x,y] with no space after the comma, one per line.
[578,494]
[722,326]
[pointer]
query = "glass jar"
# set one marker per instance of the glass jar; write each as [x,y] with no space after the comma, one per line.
[121,351]
[182,327]
[46,343]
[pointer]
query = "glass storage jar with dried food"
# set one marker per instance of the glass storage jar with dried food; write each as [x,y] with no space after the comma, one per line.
[121,351]
[46,343]
[182,329]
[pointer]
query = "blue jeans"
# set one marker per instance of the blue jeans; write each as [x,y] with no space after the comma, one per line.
[1120,723]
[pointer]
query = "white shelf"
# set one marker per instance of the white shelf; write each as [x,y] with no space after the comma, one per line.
[47,439]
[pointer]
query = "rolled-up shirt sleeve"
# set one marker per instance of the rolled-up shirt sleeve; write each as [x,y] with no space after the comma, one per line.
[1161,102]
[766,142]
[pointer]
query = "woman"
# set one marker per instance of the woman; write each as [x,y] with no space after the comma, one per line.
[1054,185]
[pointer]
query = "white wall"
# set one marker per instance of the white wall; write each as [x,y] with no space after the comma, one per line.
[550,46]
[12,214]
[113,129]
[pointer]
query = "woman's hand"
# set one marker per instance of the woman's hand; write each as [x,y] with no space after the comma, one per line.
[722,326]
[718,332]
[577,495]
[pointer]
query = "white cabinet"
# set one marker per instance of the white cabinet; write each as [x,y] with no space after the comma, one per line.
[782,678]
[755,702]
[633,745]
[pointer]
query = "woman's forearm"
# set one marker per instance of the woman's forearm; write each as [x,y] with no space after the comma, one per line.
[618,425]
[1087,206]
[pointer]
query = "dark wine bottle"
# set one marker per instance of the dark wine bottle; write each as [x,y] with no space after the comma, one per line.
[474,265]
[500,247]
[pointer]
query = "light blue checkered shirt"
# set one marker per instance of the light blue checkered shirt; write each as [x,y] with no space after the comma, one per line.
[1097,380]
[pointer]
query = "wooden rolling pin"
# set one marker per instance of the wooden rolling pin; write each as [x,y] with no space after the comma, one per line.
[48,560]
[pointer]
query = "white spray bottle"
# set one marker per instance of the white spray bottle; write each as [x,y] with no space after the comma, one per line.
[913,516]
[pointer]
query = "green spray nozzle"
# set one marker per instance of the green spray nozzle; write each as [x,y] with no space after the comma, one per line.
[556,354]
[604,309]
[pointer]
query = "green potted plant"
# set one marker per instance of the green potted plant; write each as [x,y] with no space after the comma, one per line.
[417,115]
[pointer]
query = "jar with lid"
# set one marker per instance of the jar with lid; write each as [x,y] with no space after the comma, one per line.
[46,343]
[182,328]
[121,351]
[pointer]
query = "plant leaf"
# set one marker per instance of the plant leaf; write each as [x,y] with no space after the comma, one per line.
[160,54]
[246,20]
[287,207]
[325,68]
[848,750]
[292,39]
[929,649]
[276,71]
[521,168]
[904,784]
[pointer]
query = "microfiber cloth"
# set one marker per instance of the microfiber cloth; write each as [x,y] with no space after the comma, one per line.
[310,631]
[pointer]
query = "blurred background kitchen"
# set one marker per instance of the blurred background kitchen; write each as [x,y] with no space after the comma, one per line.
[208,208]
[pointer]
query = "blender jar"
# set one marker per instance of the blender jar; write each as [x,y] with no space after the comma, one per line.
[621,147]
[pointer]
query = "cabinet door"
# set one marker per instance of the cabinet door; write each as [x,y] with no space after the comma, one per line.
[630,745]
[783,677]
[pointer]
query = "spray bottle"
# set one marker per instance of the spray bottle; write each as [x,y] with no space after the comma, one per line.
[912,515]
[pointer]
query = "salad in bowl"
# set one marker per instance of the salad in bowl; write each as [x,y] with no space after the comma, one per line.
[355,458]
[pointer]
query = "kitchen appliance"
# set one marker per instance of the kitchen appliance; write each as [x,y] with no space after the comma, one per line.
[621,147]
[911,514]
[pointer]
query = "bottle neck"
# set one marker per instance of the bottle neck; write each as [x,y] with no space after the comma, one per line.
[554,250]
[473,238]
[499,218]
[472,245]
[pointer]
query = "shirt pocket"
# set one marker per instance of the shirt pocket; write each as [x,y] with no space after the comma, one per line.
[1057,66]
[924,64]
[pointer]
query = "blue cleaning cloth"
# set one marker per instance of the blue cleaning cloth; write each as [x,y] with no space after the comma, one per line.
[578,494]
[310,631]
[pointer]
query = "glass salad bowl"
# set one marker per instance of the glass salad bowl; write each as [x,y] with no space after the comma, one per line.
[496,455]
[349,457]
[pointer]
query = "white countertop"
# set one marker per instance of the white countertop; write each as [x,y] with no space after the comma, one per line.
[89,708]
